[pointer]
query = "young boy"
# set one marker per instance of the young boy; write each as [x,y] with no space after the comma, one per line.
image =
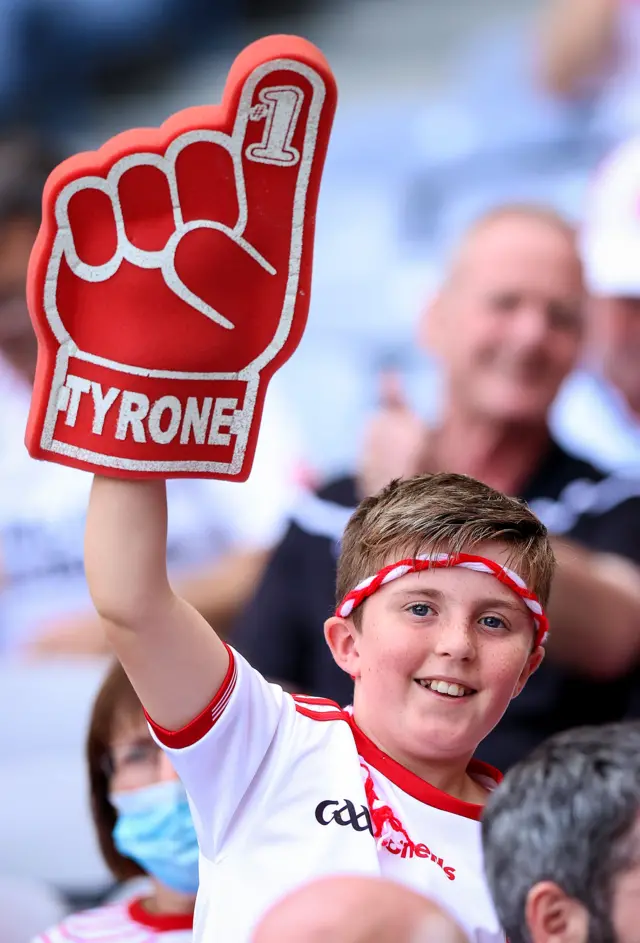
[438,630]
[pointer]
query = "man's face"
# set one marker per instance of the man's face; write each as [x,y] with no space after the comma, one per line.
[17,340]
[614,325]
[508,324]
[463,629]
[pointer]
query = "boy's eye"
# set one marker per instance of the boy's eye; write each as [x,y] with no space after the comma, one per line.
[419,609]
[493,622]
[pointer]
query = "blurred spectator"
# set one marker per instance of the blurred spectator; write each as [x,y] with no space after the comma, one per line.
[579,44]
[144,826]
[561,838]
[220,532]
[506,327]
[357,910]
[592,48]
[597,414]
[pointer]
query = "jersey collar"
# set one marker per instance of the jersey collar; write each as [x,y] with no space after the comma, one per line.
[423,791]
[161,922]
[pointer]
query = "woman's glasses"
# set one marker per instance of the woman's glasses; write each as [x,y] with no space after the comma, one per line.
[137,756]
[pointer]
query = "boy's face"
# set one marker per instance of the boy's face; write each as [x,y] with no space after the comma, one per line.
[454,626]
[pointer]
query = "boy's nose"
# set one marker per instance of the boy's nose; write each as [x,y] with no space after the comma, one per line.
[456,640]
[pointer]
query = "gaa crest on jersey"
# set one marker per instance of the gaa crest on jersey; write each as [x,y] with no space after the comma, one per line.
[344,813]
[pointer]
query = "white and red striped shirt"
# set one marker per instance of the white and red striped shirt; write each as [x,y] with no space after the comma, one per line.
[126,922]
[285,789]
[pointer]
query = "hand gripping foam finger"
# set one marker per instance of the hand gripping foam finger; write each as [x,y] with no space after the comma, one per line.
[171,276]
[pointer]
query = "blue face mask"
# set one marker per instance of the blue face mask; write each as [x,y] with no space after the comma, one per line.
[155,829]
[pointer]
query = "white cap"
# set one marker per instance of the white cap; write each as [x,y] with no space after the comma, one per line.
[610,237]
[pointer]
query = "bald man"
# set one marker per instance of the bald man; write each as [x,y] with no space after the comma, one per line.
[357,910]
[506,328]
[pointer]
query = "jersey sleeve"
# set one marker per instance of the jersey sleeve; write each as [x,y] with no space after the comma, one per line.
[220,755]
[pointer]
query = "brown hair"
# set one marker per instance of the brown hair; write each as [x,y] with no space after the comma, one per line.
[442,513]
[116,699]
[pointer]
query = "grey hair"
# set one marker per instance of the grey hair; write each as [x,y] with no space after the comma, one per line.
[565,814]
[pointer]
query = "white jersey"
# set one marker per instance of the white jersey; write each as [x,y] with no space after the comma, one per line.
[126,922]
[277,788]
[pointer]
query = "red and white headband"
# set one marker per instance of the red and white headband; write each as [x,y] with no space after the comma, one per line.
[424,562]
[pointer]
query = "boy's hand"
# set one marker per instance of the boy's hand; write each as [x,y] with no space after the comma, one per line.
[172,273]
[396,441]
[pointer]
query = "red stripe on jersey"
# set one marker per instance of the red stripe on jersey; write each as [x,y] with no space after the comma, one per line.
[307,699]
[321,715]
[196,729]
[315,708]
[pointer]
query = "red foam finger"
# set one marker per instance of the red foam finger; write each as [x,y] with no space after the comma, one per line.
[147,210]
[156,363]
[93,226]
[206,183]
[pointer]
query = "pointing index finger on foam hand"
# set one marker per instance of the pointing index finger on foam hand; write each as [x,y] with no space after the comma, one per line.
[284,110]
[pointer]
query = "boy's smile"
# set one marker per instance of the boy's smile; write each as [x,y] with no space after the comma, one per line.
[445,687]
[436,660]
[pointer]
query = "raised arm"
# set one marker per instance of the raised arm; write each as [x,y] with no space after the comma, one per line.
[174,659]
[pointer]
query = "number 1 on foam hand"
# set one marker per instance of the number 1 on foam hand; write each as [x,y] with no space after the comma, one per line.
[280,108]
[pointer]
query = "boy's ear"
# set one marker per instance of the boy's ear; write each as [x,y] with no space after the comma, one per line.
[342,638]
[533,662]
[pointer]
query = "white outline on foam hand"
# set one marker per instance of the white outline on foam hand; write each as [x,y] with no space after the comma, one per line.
[164,260]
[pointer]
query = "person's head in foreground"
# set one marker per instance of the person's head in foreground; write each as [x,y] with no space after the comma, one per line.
[438,653]
[139,806]
[610,242]
[349,909]
[561,840]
